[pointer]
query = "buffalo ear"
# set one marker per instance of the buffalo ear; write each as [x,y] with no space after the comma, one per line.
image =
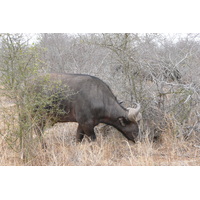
[122,121]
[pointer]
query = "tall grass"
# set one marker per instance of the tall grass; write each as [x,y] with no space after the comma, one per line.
[110,150]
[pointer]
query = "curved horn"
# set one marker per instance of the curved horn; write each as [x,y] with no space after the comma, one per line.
[133,112]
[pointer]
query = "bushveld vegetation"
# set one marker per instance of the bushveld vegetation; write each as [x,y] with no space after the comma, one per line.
[159,71]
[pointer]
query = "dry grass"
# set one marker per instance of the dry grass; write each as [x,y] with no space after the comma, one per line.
[110,149]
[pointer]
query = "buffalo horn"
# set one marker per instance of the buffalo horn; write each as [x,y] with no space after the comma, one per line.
[133,112]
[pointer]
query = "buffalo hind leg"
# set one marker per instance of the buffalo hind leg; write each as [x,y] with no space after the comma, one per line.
[39,130]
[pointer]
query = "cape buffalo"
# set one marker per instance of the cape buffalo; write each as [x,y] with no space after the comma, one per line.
[92,102]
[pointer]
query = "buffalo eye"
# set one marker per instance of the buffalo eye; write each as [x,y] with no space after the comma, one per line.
[122,121]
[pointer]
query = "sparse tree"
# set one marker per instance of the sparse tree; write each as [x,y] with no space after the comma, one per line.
[19,71]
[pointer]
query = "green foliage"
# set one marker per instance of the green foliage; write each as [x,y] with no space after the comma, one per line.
[19,60]
[46,98]
[37,98]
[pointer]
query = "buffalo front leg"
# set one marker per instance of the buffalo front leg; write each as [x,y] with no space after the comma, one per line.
[85,130]
[79,134]
[89,132]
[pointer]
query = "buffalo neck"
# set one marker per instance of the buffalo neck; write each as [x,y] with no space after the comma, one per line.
[113,113]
